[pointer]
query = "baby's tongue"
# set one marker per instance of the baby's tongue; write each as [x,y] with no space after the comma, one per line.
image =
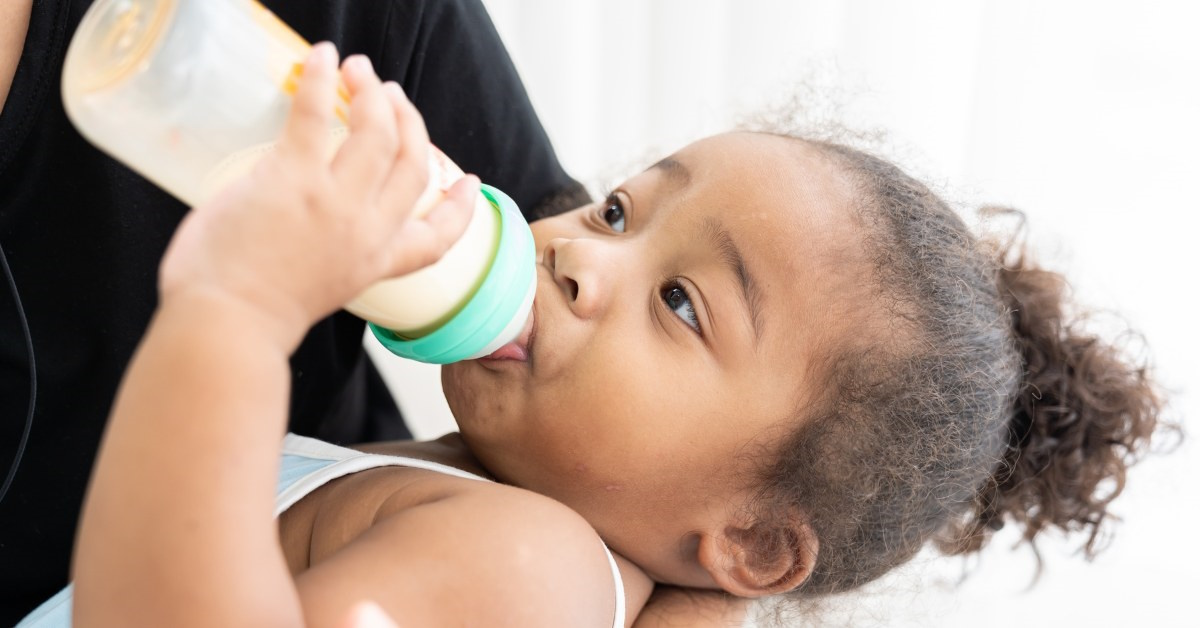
[510,351]
[517,349]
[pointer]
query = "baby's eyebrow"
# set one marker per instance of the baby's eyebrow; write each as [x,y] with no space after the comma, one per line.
[676,172]
[732,257]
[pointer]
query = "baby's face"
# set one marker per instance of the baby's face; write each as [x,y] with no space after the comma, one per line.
[677,324]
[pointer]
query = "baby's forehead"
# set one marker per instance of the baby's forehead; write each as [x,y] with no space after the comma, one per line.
[768,151]
[777,188]
[791,166]
[792,212]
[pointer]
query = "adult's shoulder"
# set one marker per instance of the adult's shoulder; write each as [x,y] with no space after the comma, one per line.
[382,28]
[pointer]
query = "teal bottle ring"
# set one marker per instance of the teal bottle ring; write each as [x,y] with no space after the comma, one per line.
[499,298]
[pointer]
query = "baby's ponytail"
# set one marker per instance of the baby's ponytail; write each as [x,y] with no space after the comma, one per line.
[1083,413]
[968,396]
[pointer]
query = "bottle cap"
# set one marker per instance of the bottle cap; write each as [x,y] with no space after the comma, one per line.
[496,312]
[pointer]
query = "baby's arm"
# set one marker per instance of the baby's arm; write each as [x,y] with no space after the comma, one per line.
[177,528]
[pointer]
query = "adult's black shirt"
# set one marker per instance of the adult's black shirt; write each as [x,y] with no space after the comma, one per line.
[83,236]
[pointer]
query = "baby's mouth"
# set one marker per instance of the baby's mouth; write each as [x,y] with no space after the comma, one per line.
[520,348]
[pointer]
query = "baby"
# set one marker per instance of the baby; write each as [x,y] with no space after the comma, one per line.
[764,365]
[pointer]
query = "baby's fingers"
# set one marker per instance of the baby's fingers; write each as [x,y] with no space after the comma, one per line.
[422,241]
[363,162]
[306,132]
[409,173]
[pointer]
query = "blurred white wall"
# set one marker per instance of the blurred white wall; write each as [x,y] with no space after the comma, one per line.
[1086,115]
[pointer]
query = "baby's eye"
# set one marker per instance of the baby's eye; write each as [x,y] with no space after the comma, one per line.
[679,302]
[613,213]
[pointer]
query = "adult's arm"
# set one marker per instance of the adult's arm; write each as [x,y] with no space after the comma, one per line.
[673,607]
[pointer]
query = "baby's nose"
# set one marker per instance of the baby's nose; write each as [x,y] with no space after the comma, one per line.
[580,272]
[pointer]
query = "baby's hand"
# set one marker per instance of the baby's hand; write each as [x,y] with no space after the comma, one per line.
[300,236]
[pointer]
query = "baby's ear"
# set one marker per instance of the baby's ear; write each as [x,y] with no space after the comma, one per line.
[760,558]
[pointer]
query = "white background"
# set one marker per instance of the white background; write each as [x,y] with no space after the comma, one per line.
[1086,115]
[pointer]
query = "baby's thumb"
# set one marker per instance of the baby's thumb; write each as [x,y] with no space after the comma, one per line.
[449,218]
[422,241]
[368,615]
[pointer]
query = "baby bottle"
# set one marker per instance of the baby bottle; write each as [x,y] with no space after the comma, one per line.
[191,93]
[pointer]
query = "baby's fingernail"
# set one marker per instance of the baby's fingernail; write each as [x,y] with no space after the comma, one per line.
[468,185]
[393,89]
[359,64]
[323,55]
[473,187]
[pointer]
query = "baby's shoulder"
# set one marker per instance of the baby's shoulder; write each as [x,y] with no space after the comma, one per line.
[503,550]
[510,527]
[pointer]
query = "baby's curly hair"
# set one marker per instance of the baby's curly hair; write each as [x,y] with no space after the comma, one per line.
[977,401]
